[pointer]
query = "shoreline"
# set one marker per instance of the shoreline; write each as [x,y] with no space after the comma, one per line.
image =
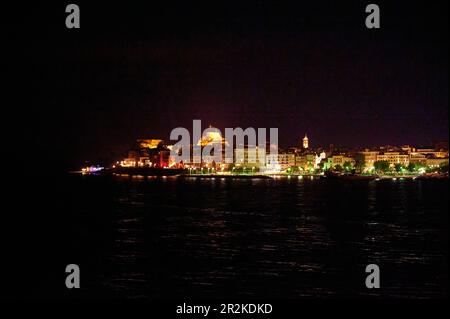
[182,174]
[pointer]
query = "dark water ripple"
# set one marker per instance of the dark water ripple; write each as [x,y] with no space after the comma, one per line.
[168,237]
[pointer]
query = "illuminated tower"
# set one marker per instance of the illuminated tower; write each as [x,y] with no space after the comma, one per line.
[305,142]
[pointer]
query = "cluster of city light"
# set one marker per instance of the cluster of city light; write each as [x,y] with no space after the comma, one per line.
[250,159]
[92,169]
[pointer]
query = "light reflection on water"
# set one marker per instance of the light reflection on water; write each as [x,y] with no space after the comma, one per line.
[275,238]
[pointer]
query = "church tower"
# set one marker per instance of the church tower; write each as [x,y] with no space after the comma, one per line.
[305,142]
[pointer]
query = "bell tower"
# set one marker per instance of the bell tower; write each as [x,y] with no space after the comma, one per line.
[305,142]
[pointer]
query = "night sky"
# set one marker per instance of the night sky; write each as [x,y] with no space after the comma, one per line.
[135,71]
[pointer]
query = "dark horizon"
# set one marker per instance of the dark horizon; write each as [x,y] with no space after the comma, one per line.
[138,72]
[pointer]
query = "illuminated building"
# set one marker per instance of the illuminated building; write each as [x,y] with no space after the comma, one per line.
[417,158]
[305,142]
[305,161]
[436,162]
[341,160]
[431,152]
[286,160]
[338,160]
[394,158]
[147,153]
[367,158]
[272,164]
[129,162]
[319,159]
[279,162]
[250,157]
[213,139]
[149,143]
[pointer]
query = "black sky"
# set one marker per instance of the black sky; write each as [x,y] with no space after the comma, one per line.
[135,71]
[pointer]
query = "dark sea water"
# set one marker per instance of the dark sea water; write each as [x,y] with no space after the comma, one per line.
[171,237]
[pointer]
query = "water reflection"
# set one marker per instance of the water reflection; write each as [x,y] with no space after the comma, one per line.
[274,238]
